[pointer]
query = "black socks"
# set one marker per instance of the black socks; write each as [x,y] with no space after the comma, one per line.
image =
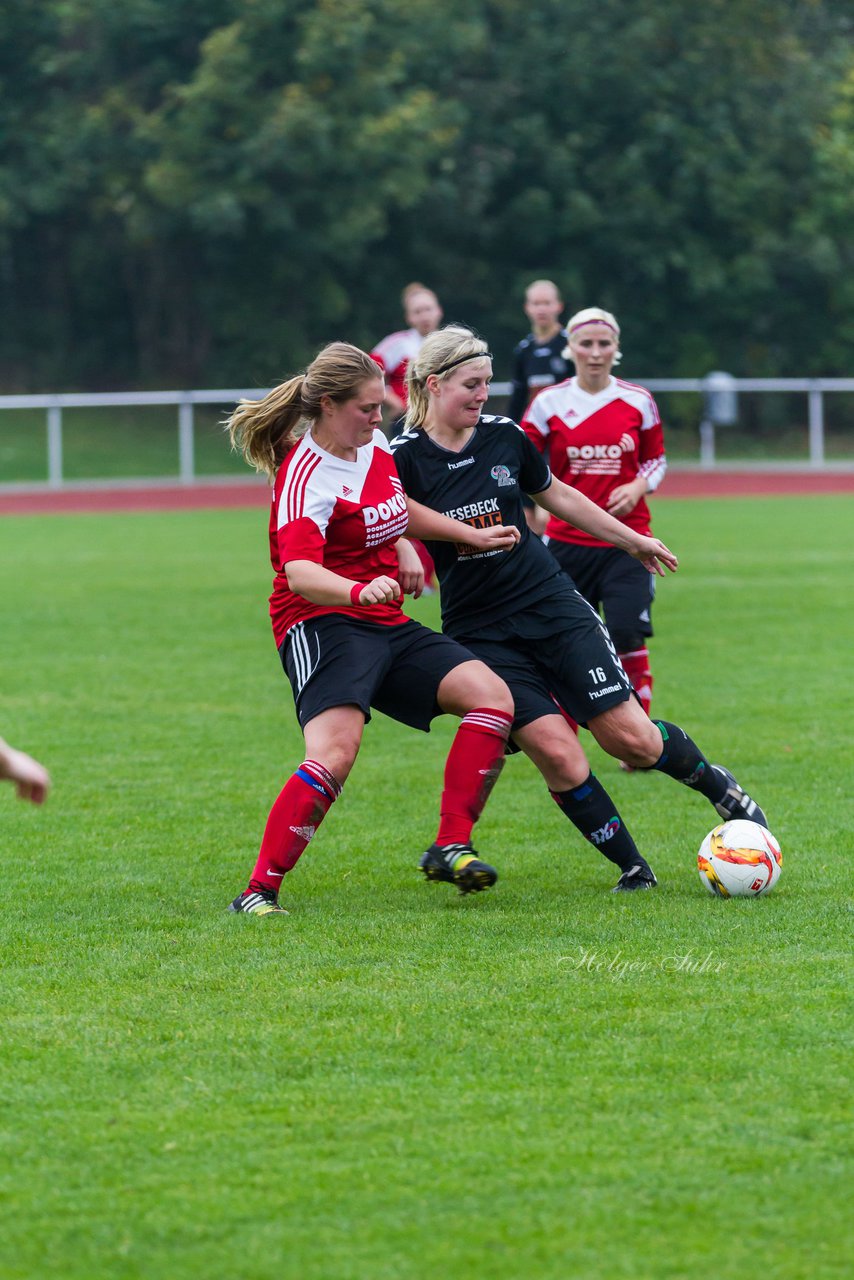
[683,760]
[593,812]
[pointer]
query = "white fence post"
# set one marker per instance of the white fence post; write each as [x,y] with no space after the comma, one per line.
[54,446]
[816,426]
[186,442]
[707,443]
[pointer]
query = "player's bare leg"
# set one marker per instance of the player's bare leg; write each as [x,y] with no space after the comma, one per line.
[625,732]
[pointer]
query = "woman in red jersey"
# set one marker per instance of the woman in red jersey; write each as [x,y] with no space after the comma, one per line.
[603,437]
[338,515]
[393,353]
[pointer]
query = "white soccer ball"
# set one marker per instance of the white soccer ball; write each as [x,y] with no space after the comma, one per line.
[739,859]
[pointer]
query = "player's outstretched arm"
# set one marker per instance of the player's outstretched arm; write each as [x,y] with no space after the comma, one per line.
[426,523]
[31,779]
[653,555]
[575,508]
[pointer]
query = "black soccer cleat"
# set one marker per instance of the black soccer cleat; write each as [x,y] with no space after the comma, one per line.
[736,803]
[458,864]
[640,876]
[257,901]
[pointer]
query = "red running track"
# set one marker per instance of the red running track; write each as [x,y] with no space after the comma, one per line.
[742,484]
[211,497]
[678,484]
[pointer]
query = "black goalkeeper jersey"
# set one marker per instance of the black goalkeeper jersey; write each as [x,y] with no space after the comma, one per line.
[536,365]
[481,485]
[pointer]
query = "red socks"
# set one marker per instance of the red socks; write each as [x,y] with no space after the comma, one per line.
[474,762]
[302,804]
[637,669]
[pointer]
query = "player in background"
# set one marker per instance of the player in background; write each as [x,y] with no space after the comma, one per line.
[423,315]
[336,524]
[603,437]
[31,779]
[538,361]
[521,614]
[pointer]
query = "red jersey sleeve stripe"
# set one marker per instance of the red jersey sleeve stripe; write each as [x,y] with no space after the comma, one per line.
[634,386]
[653,471]
[296,484]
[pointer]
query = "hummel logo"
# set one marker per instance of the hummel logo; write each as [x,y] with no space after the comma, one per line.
[605,833]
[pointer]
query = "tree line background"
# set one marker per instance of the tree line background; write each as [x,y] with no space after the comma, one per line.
[202,192]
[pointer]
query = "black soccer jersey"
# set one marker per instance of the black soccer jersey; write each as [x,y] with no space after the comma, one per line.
[536,365]
[481,485]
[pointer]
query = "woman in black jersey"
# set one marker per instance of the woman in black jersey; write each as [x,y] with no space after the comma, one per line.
[519,613]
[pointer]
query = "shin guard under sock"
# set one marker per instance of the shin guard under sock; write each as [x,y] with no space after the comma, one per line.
[474,762]
[683,760]
[301,806]
[593,812]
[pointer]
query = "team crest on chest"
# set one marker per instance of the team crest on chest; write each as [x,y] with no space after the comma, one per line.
[502,475]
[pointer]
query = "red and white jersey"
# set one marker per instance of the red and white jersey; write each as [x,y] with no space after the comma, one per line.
[393,355]
[343,515]
[596,442]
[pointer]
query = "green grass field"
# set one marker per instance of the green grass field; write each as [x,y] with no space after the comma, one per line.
[393,1082]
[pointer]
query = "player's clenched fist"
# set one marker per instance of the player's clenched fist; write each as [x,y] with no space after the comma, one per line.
[499,537]
[379,591]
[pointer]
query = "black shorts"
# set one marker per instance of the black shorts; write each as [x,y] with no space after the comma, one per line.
[612,581]
[558,651]
[336,661]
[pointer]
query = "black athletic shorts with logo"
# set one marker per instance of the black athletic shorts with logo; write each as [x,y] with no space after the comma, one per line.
[557,651]
[336,661]
[612,581]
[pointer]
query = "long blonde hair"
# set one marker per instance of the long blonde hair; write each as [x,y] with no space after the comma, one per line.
[442,351]
[265,430]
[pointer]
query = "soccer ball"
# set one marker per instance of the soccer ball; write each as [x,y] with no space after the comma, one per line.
[739,859]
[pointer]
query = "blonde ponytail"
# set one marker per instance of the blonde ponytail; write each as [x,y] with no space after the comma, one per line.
[264,431]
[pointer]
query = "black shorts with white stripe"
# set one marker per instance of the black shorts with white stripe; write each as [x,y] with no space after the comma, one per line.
[336,661]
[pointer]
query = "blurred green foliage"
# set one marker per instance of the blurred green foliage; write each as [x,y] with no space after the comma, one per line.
[203,193]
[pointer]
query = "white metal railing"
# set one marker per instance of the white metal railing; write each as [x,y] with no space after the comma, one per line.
[185,401]
[814,388]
